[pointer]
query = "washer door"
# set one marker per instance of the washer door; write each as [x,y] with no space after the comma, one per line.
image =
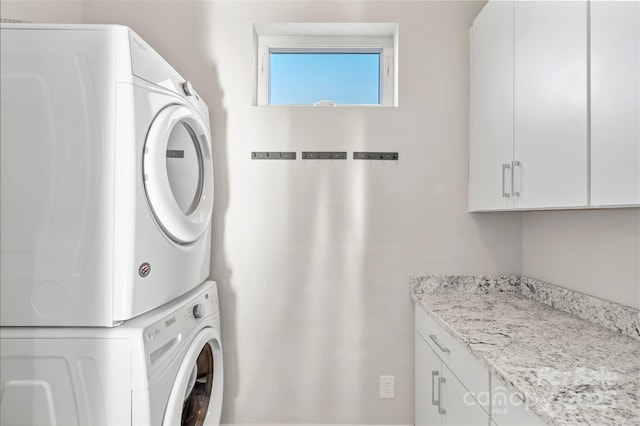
[196,395]
[178,173]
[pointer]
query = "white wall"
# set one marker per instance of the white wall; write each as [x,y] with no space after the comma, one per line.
[43,11]
[313,257]
[594,252]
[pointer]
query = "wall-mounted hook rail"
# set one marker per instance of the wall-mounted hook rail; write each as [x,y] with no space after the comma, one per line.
[273,155]
[375,156]
[307,155]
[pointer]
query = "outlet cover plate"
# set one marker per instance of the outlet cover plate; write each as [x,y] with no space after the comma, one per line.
[387,387]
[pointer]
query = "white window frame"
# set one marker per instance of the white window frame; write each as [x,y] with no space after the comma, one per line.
[327,38]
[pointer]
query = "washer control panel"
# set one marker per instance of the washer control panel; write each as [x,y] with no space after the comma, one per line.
[203,306]
[165,333]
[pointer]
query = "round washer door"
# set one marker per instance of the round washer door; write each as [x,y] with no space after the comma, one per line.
[196,395]
[178,173]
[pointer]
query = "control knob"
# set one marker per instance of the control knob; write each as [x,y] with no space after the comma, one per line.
[187,88]
[198,310]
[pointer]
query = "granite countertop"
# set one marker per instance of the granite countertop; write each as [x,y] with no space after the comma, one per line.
[569,370]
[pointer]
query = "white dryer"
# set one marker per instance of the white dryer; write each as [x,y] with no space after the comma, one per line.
[162,368]
[106,175]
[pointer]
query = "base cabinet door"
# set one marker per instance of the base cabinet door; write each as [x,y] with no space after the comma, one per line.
[440,398]
[508,408]
[459,407]
[426,363]
[443,378]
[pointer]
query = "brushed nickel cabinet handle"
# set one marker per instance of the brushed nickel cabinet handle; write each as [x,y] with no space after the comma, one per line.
[505,194]
[435,340]
[441,410]
[434,374]
[514,193]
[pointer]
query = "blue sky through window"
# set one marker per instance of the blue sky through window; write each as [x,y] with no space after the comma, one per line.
[306,78]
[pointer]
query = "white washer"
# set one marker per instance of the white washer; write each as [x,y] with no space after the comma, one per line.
[107,181]
[162,368]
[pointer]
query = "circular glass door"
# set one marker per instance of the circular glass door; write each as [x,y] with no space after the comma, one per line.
[196,394]
[184,167]
[178,173]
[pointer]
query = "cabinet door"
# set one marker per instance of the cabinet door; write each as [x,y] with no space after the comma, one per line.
[459,405]
[507,408]
[426,383]
[491,108]
[550,116]
[615,103]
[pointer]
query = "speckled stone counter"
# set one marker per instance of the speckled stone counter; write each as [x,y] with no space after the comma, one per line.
[569,370]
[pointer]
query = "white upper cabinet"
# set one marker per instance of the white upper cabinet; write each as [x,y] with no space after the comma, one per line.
[491,145]
[550,104]
[615,103]
[555,105]
[528,110]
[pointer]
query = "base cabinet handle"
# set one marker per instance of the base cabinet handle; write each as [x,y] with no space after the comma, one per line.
[434,401]
[435,340]
[441,410]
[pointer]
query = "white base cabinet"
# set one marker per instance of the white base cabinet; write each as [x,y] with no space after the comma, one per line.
[448,379]
[427,369]
[440,397]
[453,388]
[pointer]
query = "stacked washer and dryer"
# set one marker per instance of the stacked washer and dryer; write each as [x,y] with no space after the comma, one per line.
[106,202]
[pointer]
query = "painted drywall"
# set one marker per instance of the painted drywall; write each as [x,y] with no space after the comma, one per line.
[595,252]
[312,258]
[43,11]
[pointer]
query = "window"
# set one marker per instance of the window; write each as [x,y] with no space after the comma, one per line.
[311,78]
[325,64]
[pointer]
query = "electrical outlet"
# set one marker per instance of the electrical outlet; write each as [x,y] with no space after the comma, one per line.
[387,387]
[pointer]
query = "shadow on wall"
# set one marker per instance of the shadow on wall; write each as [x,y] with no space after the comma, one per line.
[220,271]
[191,53]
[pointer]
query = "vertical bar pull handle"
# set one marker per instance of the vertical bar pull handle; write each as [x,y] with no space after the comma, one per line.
[434,374]
[505,167]
[441,410]
[513,180]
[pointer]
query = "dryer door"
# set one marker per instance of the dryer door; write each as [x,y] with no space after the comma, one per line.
[196,395]
[178,173]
